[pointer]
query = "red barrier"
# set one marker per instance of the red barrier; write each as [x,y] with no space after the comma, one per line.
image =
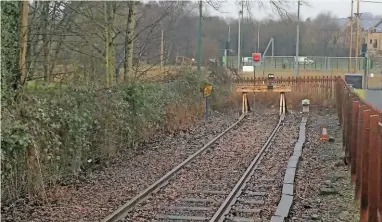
[362,139]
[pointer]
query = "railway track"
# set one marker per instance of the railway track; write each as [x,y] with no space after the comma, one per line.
[203,189]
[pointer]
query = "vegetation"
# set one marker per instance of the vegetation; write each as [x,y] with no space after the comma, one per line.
[75,88]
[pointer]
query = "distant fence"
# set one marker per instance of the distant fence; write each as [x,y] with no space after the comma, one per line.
[362,138]
[313,63]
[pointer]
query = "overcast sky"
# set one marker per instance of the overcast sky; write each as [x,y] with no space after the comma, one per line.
[341,8]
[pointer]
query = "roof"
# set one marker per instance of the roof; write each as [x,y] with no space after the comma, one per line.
[365,24]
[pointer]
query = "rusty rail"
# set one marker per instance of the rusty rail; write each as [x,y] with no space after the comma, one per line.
[362,139]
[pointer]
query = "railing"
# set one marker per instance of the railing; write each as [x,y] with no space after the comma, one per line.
[362,139]
[312,63]
[323,85]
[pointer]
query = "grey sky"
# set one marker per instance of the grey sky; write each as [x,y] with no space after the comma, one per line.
[341,8]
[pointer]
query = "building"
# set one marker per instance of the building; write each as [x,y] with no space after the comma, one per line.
[374,39]
[370,33]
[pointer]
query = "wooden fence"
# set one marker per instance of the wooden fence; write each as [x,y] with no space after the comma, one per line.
[315,88]
[362,139]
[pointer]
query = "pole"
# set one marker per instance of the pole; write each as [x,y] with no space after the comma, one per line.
[239,39]
[161,51]
[200,34]
[298,37]
[351,36]
[357,38]
[258,37]
[229,33]
[254,94]
[206,107]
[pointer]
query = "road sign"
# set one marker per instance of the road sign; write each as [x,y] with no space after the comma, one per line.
[256,57]
[206,89]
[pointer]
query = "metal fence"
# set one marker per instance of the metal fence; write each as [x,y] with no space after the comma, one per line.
[312,63]
[362,138]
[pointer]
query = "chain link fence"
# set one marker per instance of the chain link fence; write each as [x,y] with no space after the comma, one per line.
[311,63]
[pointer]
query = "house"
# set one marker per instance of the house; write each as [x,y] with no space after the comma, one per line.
[370,33]
[374,38]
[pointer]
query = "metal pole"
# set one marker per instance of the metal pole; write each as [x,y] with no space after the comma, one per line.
[351,36]
[200,35]
[258,37]
[239,40]
[298,37]
[229,32]
[206,107]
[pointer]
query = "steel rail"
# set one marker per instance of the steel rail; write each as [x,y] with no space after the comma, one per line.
[240,185]
[122,211]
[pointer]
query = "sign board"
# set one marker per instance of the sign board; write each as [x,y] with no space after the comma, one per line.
[248,69]
[256,59]
[206,89]
[354,79]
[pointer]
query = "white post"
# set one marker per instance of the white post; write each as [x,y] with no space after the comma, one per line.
[283,96]
[281,103]
[305,105]
[243,106]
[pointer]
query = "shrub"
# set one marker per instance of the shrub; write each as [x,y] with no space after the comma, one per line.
[72,128]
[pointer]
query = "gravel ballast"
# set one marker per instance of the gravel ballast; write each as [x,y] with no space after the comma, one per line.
[323,191]
[100,192]
[216,170]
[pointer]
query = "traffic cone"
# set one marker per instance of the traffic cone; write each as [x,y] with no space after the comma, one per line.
[324,134]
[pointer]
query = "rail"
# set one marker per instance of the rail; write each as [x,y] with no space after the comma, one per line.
[225,207]
[124,209]
[361,125]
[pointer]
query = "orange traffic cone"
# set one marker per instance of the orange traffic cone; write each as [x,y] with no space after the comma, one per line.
[324,135]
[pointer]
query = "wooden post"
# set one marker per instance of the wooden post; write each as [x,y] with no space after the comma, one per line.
[161,51]
[379,145]
[365,164]
[359,153]
[374,176]
[353,136]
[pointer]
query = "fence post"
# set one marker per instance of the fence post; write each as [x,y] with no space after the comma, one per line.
[365,165]
[379,146]
[353,136]
[359,153]
[374,170]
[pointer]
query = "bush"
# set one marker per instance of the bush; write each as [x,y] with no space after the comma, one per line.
[71,128]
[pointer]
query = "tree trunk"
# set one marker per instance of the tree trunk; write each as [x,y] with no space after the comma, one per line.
[129,41]
[109,8]
[23,40]
[33,178]
[45,39]
[111,38]
[106,44]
